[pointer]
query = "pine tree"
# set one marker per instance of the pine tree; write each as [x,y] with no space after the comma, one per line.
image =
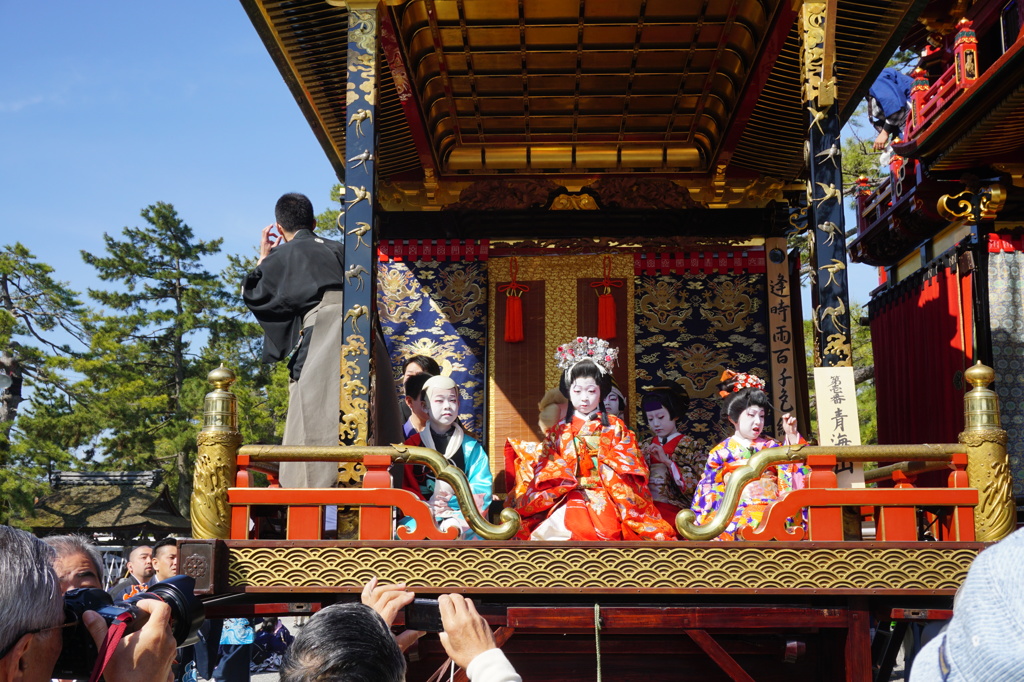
[41,330]
[142,360]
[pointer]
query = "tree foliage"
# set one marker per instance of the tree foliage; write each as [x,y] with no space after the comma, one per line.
[121,385]
[863,371]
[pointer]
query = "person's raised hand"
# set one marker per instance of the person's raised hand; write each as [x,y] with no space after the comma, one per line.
[789,427]
[466,634]
[144,655]
[270,238]
[386,600]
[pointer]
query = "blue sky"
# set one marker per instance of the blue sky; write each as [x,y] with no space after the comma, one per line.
[107,107]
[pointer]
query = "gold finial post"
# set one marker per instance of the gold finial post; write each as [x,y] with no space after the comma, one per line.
[218,443]
[988,468]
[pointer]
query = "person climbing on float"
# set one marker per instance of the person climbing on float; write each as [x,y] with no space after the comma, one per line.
[675,461]
[590,480]
[744,406]
[444,433]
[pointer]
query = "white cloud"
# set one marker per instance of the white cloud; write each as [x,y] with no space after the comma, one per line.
[18,105]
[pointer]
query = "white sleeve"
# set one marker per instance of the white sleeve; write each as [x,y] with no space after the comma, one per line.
[492,666]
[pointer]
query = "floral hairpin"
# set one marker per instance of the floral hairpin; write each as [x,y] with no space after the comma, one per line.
[739,380]
[587,348]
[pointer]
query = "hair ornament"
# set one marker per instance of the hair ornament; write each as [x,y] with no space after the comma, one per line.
[736,381]
[587,348]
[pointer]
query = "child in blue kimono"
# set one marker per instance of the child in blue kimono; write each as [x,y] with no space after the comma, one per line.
[443,433]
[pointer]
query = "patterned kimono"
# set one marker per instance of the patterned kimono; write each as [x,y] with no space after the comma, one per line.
[672,486]
[590,483]
[773,485]
[440,496]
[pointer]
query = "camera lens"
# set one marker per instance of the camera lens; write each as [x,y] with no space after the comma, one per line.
[187,612]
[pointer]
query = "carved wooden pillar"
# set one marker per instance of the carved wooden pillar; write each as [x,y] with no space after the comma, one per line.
[360,235]
[825,186]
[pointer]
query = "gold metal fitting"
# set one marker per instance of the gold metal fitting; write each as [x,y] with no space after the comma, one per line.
[981,404]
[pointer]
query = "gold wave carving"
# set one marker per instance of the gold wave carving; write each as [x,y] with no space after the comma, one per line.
[676,567]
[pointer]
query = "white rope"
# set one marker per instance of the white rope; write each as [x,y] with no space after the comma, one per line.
[597,638]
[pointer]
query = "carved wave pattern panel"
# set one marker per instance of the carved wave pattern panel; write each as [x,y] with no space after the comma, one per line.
[657,567]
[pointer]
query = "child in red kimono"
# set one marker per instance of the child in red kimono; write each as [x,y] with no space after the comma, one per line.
[675,462]
[590,481]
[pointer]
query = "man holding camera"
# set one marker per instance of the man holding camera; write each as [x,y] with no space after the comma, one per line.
[32,624]
[295,293]
[354,642]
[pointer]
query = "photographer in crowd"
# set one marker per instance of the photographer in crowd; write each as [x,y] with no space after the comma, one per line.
[353,642]
[32,621]
[78,563]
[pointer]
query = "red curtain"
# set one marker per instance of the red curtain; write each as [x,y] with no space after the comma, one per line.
[919,333]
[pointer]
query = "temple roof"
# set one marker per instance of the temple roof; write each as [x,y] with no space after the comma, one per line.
[564,87]
[116,502]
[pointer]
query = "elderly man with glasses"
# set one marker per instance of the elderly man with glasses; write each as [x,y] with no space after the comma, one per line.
[33,617]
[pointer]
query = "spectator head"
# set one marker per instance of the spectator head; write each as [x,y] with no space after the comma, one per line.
[985,638]
[294,212]
[32,607]
[418,364]
[77,562]
[165,558]
[344,643]
[140,563]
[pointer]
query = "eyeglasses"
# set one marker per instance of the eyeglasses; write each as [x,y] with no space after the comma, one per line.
[17,639]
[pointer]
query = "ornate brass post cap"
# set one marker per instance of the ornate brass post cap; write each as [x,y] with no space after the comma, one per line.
[980,375]
[981,404]
[221,378]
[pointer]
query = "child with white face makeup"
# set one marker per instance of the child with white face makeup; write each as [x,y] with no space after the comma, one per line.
[439,399]
[745,405]
[590,481]
[675,462]
[615,403]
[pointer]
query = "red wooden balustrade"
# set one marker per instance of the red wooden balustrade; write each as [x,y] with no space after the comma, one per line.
[305,506]
[895,509]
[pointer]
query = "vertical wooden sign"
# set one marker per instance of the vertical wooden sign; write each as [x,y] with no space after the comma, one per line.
[781,330]
[838,418]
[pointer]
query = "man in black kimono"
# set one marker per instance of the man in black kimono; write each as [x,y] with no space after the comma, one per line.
[295,292]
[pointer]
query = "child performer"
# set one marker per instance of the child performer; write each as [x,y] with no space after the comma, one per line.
[590,481]
[615,403]
[744,406]
[440,399]
[675,463]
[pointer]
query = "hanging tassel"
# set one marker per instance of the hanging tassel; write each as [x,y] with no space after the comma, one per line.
[606,315]
[606,312]
[513,304]
[514,319]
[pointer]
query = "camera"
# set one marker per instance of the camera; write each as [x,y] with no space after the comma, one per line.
[424,614]
[78,656]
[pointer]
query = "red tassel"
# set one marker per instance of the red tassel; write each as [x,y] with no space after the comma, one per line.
[513,304]
[605,303]
[513,319]
[606,316]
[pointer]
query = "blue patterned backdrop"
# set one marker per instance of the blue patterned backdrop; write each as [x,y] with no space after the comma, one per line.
[439,309]
[1006,316]
[689,328]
